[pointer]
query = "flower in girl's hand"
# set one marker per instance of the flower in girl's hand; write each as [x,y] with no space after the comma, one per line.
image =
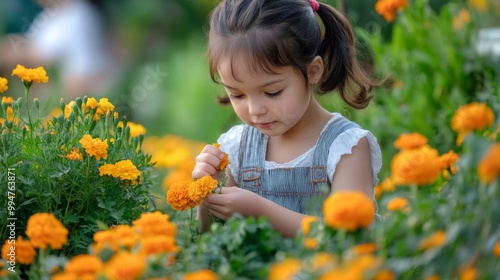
[184,195]
[225,161]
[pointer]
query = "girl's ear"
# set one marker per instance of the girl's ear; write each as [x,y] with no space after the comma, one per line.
[315,70]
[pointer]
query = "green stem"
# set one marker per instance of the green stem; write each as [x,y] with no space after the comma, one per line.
[26,94]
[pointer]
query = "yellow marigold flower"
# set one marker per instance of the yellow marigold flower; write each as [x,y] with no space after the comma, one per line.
[44,230]
[91,104]
[470,117]
[480,5]
[106,169]
[68,109]
[417,166]
[135,129]
[435,240]
[155,223]
[489,166]
[178,196]
[348,210]
[23,252]
[285,269]
[10,114]
[3,85]
[397,203]
[470,273]
[306,224]
[74,155]
[203,274]
[496,249]
[125,266]
[94,146]
[158,244]
[200,188]
[408,141]
[84,265]
[225,161]
[365,248]
[126,171]
[341,273]
[7,100]
[104,107]
[461,19]
[389,8]
[29,75]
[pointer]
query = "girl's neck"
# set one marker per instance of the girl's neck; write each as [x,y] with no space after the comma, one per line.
[300,138]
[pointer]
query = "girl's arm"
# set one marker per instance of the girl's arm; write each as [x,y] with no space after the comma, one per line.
[354,171]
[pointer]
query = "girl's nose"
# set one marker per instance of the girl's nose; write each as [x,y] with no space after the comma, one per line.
[256,107]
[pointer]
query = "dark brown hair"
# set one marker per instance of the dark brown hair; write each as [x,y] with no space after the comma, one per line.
[278,33]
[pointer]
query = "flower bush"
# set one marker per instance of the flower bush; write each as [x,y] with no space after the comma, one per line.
[78,163]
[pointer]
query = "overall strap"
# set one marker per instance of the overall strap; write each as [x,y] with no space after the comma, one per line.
[320,156]
[252,150]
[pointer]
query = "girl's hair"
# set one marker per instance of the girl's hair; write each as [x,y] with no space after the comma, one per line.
[278,33]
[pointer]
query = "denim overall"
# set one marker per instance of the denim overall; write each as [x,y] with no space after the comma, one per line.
[301,189]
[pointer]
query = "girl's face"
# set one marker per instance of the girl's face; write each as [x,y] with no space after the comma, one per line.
[272,103]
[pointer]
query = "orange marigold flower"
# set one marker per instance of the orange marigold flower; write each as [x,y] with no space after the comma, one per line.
[408,141]
[285,269]
[135,129]
[433,277]
[461,19]
[178,196]
[159,244]
[496,249]
[29,75]
[365,248]
[115,238]
[387,185]
[348,210]
[74,155]
[470,273]
[384,274]
[470,117]
[449,160]
[306,223]
[417,166]
[322,259]
[106,169]
[3,85]
[311,243]
[389,8]
[84,265]
[7,100]
[125,266]
[200,188]
[44,229]
[489,166]
[23,252]
[155,223]
[94,146]
[435,240]
[225,161]
[203,274]
[397,203]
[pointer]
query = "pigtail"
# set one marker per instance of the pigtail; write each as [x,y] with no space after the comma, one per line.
[342,70]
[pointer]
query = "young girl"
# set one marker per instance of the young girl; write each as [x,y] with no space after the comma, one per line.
[271,57]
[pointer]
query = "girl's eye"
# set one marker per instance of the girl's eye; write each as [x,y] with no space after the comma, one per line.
[274,94]
[235,96]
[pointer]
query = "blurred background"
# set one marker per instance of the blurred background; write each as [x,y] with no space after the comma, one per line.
[150,61]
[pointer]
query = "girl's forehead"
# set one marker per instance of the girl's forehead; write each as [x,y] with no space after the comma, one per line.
[240,66]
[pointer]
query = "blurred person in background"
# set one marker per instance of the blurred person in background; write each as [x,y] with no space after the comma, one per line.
[73,38]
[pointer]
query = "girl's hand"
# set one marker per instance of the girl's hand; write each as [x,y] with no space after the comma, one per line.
[208,162]
[233,200]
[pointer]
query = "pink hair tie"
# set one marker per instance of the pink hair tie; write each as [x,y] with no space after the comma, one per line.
[314,5]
